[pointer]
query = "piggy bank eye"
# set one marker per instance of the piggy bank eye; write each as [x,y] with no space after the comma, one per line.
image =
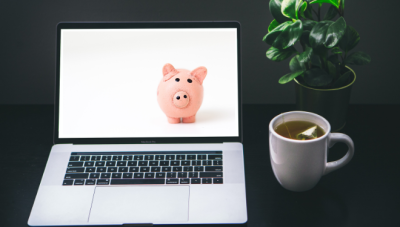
[177,79]
[189,80]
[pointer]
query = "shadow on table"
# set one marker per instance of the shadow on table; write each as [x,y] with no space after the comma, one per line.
[317,207]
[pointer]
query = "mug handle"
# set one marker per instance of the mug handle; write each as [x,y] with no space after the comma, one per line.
[339,137]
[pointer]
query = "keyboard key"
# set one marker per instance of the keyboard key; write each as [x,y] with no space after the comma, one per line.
[180,157]
[138,157]
[144,169]
[194,175]
[132,163]
[75,164]
[207,163]
[185,163]
[143,163]
[155,169]
[217,180]
[101,169]
[138,175]
[196,163]
[211,174]
[116,175]
[166,169]
[122,169]
[201,157]
[79,182]
[195,181]
[105,175]
[101,163]
[74,158]
[103,182]
[137,181]
[177,169]
[149,175]
[169,157]
[127,157]
[149,157]
[76,175]
[89,164]
[90,182]
[133,169]
[184,181]
[112,169]
[153,163]
[218,156]
[175,163]
[171,175]
[127,175]
[160,175]
[106,158]
[217,163]
[68,182]
[199,168]
[159,157]
[213,168]
[117,158]
[188,168]
[121,163]
[191,157]
[75,170]
[90,169]
[164,163]
[85,158]
[94,175]
[172,181]
[96,158]
[182,175]
[206,180]
[110,163]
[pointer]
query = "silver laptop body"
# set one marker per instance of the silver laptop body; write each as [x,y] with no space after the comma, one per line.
[116,159]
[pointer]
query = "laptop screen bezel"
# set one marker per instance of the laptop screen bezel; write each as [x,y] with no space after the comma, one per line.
[149,25]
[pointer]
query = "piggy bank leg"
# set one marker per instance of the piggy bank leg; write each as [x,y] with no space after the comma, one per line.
[191,119]
[173,120]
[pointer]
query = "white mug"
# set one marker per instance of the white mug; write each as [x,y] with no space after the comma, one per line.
[299,164]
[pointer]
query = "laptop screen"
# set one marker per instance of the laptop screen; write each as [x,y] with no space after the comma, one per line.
[141,82]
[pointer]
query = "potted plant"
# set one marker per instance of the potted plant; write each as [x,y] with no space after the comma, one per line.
[321,55]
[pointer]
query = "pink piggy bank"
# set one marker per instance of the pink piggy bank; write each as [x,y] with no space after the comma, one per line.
[180,93]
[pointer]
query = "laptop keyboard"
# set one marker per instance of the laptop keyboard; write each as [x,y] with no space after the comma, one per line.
[130,168]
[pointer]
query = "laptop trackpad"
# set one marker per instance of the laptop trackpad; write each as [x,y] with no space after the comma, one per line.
[140,204]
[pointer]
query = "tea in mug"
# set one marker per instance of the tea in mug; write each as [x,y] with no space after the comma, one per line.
[299,130]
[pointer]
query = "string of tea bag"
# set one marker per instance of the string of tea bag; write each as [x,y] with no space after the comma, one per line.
[283,119]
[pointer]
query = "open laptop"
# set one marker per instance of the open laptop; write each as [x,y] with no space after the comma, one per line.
[130,145]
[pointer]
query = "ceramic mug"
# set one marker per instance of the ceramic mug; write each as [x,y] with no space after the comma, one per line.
[299,164]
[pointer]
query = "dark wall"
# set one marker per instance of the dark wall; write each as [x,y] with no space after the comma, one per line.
[28,30]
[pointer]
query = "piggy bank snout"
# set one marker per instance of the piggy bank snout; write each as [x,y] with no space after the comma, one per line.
[181,99]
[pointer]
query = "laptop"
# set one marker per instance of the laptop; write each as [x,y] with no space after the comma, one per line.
[148,126]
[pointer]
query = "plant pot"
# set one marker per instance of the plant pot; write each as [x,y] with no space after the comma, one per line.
[332,104]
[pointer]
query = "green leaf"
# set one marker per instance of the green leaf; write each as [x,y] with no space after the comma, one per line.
[350,39]
[335,32]
[304,37]
[334,59]
[331,69]
[289,8]
[275,9]
[306,55]
[315,60]
[289,35]
[289,77]
[307,13]
[332,12]
[336,50]
[358,58]
[296,65]
[278,55]
[343,80]
[309,25]
[271,36]
[273,25]
[333,2]
[318,35]
[342,4]
[317,77]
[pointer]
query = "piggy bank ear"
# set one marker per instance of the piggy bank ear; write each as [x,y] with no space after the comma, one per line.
[168,71]
[200,73]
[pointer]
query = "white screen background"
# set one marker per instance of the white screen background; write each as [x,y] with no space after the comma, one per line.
[109,80]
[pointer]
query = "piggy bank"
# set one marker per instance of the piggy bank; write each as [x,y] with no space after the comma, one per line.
[180,93]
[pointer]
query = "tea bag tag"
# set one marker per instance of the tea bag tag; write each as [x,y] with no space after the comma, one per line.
[310,133]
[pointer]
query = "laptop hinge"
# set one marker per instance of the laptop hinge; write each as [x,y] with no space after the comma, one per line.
[140,224]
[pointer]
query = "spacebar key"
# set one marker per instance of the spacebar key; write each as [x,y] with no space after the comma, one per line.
[137,181]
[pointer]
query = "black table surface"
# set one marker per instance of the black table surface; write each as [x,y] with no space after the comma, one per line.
[365,192]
